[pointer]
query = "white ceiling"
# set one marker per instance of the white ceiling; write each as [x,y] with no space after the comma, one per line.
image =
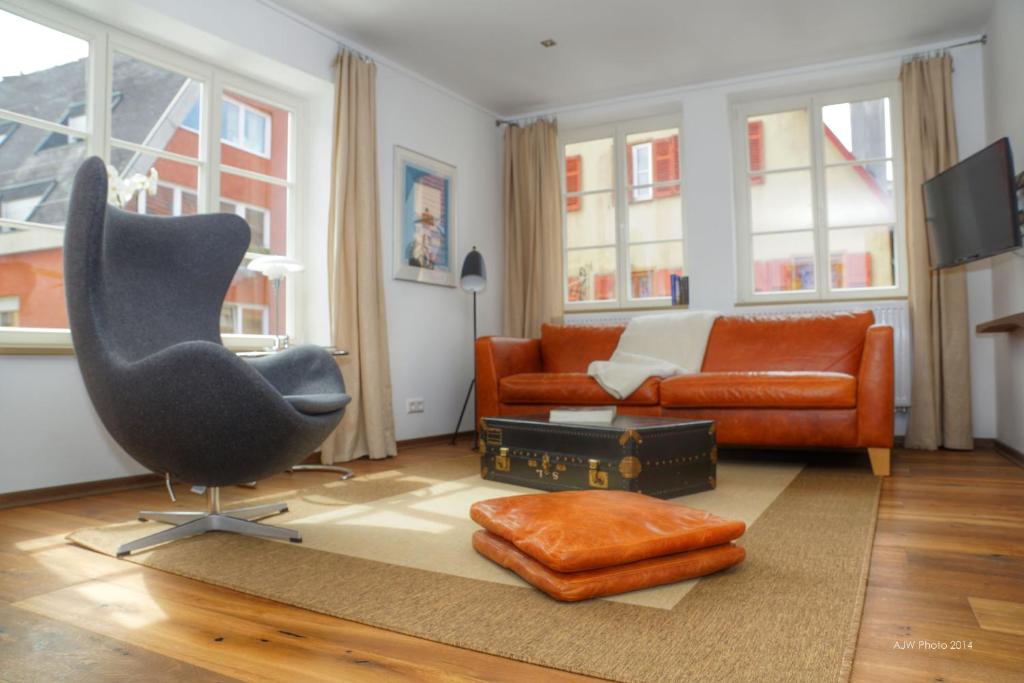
[489,51]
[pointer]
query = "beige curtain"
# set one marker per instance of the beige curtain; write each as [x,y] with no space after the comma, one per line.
[533,228]
[358,322]
[940,411]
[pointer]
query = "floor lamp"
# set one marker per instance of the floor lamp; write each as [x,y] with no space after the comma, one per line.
[473,279]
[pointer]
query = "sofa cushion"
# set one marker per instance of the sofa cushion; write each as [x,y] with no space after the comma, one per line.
[570,348]
[571,531]
[823,343]
[570,388]
[760,390]
[593,583]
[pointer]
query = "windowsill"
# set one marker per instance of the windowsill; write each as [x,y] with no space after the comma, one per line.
[34,341]
[804,302]
[584,310]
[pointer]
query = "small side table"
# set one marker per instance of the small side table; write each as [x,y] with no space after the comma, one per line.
[345,472]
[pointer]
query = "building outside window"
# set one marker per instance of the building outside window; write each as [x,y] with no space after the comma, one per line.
[165,111]
[622,214]
[819,197]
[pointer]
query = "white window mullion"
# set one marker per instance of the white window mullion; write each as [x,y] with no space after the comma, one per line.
[97,104]
[621,218]
[211,144]
[822,266]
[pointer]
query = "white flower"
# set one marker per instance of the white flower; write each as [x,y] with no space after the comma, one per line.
[121,190]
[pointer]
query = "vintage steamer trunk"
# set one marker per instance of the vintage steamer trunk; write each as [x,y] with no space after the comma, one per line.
[657,456]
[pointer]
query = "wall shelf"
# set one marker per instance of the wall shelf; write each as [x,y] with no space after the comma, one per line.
[1010,323]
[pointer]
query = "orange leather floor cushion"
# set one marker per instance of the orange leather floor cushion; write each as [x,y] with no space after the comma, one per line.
[572,531]
[594,583]
[575,545]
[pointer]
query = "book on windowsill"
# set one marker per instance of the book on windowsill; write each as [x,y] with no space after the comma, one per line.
[603,415]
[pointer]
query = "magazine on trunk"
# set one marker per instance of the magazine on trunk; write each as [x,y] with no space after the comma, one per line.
[599,415]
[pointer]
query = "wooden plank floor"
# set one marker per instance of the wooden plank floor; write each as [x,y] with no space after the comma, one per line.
[947,570]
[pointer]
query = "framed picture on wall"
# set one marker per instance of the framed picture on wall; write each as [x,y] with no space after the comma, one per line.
[425,244]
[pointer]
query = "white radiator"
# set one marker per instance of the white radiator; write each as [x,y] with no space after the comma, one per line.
[892,313]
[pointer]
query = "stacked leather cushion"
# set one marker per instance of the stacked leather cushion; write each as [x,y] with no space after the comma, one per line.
[575,545]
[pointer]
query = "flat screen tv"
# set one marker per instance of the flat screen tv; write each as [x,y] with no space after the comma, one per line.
[971,208]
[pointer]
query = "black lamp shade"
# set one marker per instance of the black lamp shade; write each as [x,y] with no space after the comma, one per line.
[474,272]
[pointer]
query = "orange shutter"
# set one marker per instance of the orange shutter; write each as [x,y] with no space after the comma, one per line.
[573,181]
[755,145]
[666,165]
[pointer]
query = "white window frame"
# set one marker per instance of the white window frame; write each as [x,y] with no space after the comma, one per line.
[104,40]
[822,275]
[623,280]
[267,125]
[176,190]
[242,207]
[642,194]
[236,315]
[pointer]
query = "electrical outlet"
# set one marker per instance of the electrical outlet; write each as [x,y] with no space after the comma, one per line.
[414,405]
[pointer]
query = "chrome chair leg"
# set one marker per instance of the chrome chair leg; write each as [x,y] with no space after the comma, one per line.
[237,521]
[257,511]
[345,472]
[169,517]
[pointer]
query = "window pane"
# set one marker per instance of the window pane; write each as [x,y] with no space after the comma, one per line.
[658,219]
[857,130]
[151,106]
[251,290]
[176,192]
[42,71]
[861,257]
[860,194]
[590,220]
[230,126]
[596,164]
[784,263]
[781,201]
[228,316]
[32,278]
[591,274]
[33,187]
[651,269]
[652,157]
[253,320]
[258,137]
[263,205]
[781,140]
[255,129]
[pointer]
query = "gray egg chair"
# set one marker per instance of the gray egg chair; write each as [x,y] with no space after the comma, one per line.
[144,296]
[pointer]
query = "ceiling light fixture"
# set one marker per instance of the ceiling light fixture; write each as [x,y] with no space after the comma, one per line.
[548,42]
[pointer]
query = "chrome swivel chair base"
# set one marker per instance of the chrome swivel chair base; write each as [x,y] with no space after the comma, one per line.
[345,472]
[237,521]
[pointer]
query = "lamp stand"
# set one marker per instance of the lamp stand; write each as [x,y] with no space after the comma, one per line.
[472,383]
[281,341]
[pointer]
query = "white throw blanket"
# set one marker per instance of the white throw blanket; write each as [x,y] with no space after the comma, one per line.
[655,346]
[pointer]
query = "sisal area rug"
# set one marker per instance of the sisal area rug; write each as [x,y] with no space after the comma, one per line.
[393,550]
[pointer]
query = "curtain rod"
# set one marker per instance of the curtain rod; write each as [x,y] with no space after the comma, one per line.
[983,40]
[498,122]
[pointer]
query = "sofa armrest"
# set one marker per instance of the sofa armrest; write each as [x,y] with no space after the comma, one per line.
[875,389]
[498,357]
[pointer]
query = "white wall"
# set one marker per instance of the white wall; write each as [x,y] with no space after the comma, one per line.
[1004,89]
[49,433]
[708,178]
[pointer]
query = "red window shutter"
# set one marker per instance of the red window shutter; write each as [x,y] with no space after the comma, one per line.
[573,181]
[755,145]
[666,165]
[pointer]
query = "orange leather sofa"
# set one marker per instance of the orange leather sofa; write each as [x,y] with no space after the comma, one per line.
[820,381]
